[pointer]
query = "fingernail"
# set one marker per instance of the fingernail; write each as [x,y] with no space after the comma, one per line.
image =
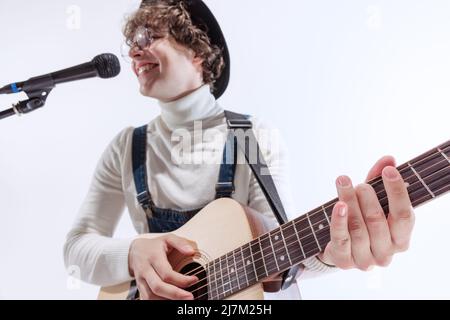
[342,211]
[390,173]
[344,181]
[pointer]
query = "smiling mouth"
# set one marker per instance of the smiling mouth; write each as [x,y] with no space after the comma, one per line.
[146,68]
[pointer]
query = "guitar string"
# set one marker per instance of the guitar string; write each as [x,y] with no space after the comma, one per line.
[309,252]
[305,244]
[266,236]
[321,238]
[276,270]
[294,235]
[373,181]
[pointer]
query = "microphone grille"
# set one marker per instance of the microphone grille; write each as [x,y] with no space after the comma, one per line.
[107,65]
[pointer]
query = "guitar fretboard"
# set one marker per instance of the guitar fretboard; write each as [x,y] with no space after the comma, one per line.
[427,177]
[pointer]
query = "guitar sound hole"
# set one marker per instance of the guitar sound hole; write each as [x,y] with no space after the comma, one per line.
[200,289]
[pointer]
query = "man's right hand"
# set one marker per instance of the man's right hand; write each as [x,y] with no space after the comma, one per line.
[155,277]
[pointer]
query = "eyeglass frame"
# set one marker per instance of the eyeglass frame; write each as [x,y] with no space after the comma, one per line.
[149,38]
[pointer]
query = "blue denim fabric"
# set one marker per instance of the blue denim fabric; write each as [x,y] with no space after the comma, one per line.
[163,220]
[168,220]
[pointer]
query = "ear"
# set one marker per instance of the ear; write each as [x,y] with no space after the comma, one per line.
[197,61]
[198,64]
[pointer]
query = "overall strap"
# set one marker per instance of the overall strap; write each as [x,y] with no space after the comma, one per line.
[139,160]
[225,183]
[250,147]
[260,170]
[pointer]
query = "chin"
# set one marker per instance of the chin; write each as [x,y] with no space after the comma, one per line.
[145,92]
[148,90]
[152,93]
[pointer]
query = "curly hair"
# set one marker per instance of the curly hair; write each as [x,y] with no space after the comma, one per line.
[170,17]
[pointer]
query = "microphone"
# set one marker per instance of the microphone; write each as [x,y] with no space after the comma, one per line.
[37,89]
[104,66]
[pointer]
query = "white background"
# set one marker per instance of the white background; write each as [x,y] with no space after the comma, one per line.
[345,81]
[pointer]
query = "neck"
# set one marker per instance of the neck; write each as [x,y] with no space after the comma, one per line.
[195,105]
[427,177]
[182,95]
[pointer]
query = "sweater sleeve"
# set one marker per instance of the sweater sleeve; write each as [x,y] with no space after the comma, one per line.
[274,151]
[89,245]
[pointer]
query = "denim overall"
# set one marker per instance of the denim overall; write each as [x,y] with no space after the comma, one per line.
[161,220]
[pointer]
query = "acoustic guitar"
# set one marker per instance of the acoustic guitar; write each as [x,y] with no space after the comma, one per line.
[231,263]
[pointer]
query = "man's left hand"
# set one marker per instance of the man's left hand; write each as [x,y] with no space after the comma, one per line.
[361,235]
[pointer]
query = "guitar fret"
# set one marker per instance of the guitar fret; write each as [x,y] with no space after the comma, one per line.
[440,185]
[318,223]
[314,234]
[244,265]
[250,268]
[421,180]
[293,247]
[235,270]
[273,250]
[321,227]
[253,262]
[262,256]
[221,279]
[240,269]
[224,280]
[429,167]
[326,215]
[231,270]
[229,282]
[298,239]
[210,280]
[268,253]
[280,249]
[285,245]
[216,281]
[444,155]
[436,184]
[227,276]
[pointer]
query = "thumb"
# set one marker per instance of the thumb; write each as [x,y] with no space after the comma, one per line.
[182,245]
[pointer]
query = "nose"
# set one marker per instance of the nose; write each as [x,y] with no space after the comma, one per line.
[135,52]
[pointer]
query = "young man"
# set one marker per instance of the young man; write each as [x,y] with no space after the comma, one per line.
[181,59]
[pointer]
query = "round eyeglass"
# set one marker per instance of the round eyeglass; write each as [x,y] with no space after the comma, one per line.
[143,38]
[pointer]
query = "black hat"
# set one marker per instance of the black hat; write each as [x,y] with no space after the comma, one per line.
[202,17]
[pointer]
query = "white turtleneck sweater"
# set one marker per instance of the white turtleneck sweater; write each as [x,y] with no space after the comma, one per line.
[102,259]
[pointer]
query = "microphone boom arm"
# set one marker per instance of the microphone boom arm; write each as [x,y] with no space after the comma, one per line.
[36,100]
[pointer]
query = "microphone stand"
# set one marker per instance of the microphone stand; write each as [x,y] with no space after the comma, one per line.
[36,100]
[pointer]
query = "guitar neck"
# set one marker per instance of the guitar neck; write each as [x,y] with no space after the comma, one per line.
[427,177]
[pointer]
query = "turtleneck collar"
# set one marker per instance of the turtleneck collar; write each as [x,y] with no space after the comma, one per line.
[196,106]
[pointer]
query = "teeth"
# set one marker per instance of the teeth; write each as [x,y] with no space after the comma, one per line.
[147,67]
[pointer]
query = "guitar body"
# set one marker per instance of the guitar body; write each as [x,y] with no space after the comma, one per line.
[219,228]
